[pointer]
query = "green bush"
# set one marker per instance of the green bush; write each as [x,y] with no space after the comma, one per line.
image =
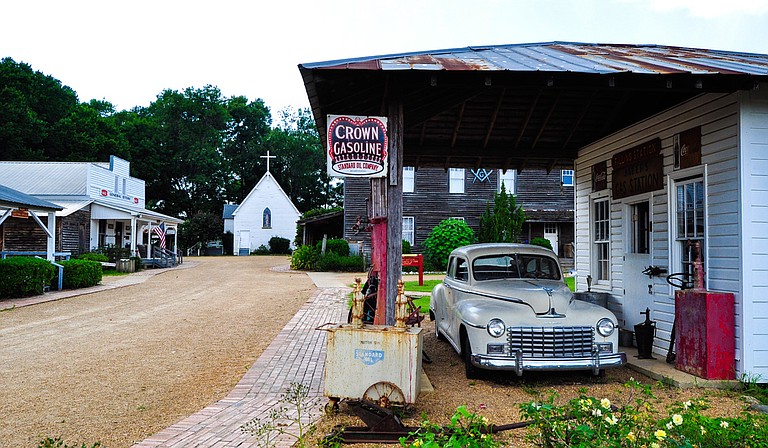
[81,273]
[305,258]
[279,245]
[337,246]
[332,261]
[93,256]
[444,238]
[24,276]
[543,242]
[406,247]
[261,250]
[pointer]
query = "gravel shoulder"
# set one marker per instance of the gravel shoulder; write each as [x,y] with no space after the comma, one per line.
[119,365]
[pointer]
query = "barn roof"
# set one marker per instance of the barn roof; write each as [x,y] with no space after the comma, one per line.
[522,105]
[15,198]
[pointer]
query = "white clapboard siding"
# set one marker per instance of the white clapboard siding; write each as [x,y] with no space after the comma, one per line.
[754,236]
[718,116]
[249,214]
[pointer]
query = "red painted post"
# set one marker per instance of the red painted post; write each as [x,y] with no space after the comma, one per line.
[415,260]
[379,258]
[421,270]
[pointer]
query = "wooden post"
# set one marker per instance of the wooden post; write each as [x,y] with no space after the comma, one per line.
[394,253]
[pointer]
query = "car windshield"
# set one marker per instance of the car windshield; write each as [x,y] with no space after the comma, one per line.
[493,267]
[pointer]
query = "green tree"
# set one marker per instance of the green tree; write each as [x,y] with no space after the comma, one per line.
[504,223]
[247,132]
[444,238]
[200,228]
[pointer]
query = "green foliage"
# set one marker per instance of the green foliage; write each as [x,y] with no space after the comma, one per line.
[466,429]
[278,245]
[114,253]
[504,223]
[93,256]
[413,285]
[305,258]
[81,273]
[284,420]
[261,250]
[334,262]
[406,247]
[751,385]
[200,228]
[444,238]
[543,242]
[24,276]
[592,422]
[337,246]
[58,442]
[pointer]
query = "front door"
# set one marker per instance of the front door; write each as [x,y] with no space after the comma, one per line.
[550,233]
[638,287]
[245,243]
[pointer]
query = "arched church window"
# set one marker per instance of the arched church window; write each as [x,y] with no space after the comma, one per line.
[267,219]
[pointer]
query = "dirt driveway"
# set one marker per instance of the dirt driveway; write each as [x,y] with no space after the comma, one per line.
[118,366]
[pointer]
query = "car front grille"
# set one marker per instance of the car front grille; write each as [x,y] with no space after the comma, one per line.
[551,342]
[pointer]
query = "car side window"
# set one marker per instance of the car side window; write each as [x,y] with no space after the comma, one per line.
[462,270]
[451,267]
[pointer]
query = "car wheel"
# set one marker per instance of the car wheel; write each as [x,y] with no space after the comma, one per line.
[472,372]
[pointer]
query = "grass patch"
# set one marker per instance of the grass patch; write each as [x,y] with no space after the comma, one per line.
[423,304]
[413,285]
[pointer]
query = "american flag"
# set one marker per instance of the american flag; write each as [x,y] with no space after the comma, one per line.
[160,231]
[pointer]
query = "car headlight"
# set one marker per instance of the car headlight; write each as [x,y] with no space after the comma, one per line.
[605,327]
[496,327]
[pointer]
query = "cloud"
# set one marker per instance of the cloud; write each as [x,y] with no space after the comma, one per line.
[706,9]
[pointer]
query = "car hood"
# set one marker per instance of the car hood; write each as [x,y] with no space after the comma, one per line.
[543,296]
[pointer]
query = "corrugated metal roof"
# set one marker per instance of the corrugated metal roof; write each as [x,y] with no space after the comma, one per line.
[564,57]
[70,206]
[46,178]
[9,196]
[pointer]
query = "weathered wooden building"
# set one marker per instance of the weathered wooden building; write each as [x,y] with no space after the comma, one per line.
[27,225]
[431,195]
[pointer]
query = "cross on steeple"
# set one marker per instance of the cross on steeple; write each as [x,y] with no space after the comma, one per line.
[268,157]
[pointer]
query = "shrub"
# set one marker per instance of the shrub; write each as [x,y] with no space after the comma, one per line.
[406,247]
[465,430]
[279,245]
[261,250]
[332,261]
[337,246]
[444,238]
[93,256]
[503,223]
[81,273]
[543,242]
[24,276]
[583,421]
[305,258]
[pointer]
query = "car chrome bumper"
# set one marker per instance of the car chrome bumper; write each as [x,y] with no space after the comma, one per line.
[520,363]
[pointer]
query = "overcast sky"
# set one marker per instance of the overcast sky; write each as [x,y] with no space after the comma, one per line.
[127,52]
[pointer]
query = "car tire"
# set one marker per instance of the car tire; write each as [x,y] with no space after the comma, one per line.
[471,371]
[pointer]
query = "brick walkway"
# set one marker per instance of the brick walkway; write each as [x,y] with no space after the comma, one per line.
[296,355]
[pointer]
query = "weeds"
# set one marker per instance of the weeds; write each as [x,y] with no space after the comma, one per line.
[281,418]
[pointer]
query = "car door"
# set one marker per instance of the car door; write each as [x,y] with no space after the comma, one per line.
[455,282]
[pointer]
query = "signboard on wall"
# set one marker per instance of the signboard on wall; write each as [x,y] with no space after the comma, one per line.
[600,176]
[687,148]
[357,146]
[639,169]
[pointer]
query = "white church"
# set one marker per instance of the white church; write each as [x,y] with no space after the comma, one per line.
[266,212]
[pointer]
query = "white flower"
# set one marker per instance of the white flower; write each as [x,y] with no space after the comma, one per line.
[606,403]
[687,405]
[655,445]
[677,419]
[723,424]
[597,413]
[703,431]
[612,420]
[670,425]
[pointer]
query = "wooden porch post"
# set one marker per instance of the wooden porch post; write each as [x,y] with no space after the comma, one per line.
[394,203]
[51,247]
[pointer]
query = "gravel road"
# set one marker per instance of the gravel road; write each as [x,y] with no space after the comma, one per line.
[119,365]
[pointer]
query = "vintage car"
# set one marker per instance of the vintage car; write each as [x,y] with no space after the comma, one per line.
[506,307]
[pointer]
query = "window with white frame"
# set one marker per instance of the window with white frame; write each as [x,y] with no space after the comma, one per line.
[566,178]
[456,180]
[408,179]
[509,179]
[458,218]
[689,216]
[409,230]
[266,219]
[601,235]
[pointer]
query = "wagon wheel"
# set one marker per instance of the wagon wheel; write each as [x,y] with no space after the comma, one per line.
[384,394]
